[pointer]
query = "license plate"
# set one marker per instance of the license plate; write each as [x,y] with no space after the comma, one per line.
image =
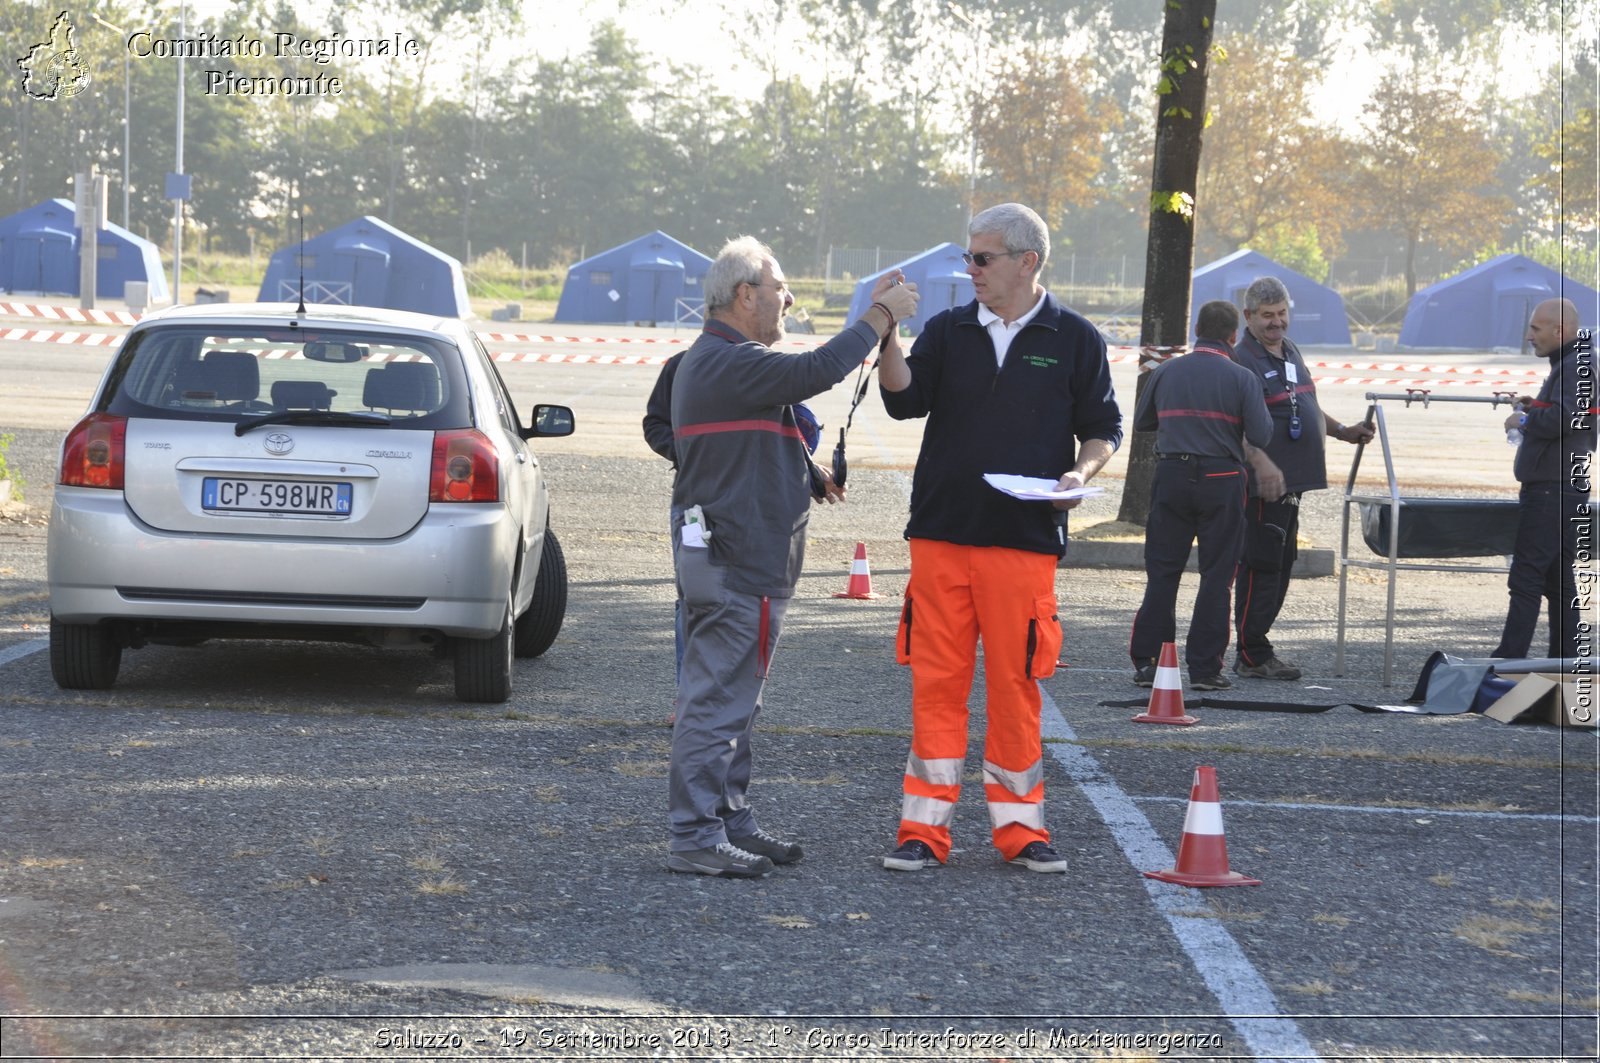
[308,497]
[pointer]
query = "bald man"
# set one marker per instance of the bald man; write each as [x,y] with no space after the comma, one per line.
[1552,464]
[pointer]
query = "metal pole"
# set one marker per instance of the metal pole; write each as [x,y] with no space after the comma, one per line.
[127,118]
[177,204]
[127,96]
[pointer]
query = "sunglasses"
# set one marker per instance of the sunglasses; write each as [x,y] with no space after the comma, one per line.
[982,258]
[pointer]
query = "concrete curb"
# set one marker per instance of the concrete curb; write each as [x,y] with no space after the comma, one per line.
[1131,555]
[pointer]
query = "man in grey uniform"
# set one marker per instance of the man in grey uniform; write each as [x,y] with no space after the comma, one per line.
[741,502]
[1208,415]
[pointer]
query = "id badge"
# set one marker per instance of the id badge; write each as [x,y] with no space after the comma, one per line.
[1291,373]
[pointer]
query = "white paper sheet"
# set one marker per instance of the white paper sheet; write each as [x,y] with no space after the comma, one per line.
[1036,489]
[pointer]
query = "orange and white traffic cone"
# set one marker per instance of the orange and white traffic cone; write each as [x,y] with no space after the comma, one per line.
[1203,852]
[1166,694]
[860,585]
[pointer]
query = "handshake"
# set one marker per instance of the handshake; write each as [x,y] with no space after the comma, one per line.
[895,297]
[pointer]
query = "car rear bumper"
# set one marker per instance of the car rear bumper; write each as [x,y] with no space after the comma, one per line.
[450,573]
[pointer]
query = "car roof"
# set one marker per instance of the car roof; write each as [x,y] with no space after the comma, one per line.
[320,315]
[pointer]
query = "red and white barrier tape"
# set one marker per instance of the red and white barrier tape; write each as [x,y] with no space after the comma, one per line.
[94,339]
[70,313]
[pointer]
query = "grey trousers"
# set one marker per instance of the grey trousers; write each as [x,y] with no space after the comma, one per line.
[719,697]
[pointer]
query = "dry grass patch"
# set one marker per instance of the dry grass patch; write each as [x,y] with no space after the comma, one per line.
[427,862]
[1554,1000]
[548,795]
[791,922]
[47,863]
[1340,921]
[1543,908]
[1444,880]
[642,769]
[441,887]
[1314,988]
[1494,934]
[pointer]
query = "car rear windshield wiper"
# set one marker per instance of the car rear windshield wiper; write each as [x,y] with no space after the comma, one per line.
[349,417]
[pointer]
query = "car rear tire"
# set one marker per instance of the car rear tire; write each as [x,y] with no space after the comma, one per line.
[483,666]
[537,628]
[83,656]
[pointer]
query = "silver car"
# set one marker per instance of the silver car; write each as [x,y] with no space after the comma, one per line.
[343,474]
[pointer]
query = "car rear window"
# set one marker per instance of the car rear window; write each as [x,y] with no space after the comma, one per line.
[193,372]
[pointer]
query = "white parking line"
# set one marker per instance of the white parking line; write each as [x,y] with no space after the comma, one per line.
[1298,806]
[22,649]
[1247,1002]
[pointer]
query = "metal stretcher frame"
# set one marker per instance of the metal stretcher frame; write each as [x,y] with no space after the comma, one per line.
[1393,501]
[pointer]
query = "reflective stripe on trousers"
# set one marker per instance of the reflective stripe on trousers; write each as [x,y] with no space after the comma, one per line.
[964,594]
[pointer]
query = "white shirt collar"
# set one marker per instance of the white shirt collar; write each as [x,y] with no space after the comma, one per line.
[987,317]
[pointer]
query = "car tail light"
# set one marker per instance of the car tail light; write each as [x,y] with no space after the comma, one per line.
[92,455]
[465,468]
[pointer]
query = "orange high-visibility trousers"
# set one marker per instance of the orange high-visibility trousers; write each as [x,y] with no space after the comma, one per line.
[957,596]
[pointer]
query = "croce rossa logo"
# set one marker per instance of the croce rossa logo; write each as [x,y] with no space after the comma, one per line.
[53,69]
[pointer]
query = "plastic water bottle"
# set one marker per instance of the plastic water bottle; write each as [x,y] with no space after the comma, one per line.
[1514,435]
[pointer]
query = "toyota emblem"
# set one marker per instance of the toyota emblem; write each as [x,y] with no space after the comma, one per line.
[279,443]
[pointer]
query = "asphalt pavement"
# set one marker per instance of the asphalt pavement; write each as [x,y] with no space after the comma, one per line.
[279,850]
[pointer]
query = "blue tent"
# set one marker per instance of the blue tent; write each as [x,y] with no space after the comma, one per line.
[368,262]
[39,254]
[639,281]
[1489,304]
[941,280]
[1316,312]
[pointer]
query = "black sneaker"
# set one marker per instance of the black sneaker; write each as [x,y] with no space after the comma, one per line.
[763,844]
[724,861]
[1144,675]
[912,856]
[1038,856]
[1212,682]
[1271,668]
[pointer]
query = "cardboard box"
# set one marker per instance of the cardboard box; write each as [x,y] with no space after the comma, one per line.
[1550,697]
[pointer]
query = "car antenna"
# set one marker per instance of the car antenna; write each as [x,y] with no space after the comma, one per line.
[300,209]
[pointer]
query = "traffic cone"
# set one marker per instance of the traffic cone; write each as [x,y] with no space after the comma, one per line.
[860,585]
[1166,695]
[1203,852]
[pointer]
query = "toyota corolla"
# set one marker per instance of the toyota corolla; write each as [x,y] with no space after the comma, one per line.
[343,474]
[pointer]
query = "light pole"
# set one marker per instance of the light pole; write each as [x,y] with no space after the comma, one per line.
[126,112]
[972,112]
[179,193]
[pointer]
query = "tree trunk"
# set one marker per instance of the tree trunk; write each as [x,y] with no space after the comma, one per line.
[1169,251]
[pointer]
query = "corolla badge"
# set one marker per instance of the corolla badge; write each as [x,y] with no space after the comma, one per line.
[279,443]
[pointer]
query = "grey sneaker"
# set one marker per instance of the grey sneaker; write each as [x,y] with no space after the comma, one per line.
[763,844]
[724,861]
[1038,856]
[912,856]
[1144,675]
[1212,682]
[1271,668]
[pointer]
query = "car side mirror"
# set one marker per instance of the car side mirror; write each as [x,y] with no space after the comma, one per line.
[550,420]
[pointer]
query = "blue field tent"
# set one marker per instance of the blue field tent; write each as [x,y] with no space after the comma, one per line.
[1489,305]
[1316,312]
[368,262]
[941,280]
[39,255]
[643,280]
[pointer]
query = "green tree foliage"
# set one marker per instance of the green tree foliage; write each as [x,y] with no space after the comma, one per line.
[1039,130]
[1270,173]
[1426,168]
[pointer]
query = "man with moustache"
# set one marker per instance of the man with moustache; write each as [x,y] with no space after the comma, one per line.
[1271,527]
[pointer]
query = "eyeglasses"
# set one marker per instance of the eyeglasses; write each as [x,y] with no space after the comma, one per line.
[780,286]
[982,259]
